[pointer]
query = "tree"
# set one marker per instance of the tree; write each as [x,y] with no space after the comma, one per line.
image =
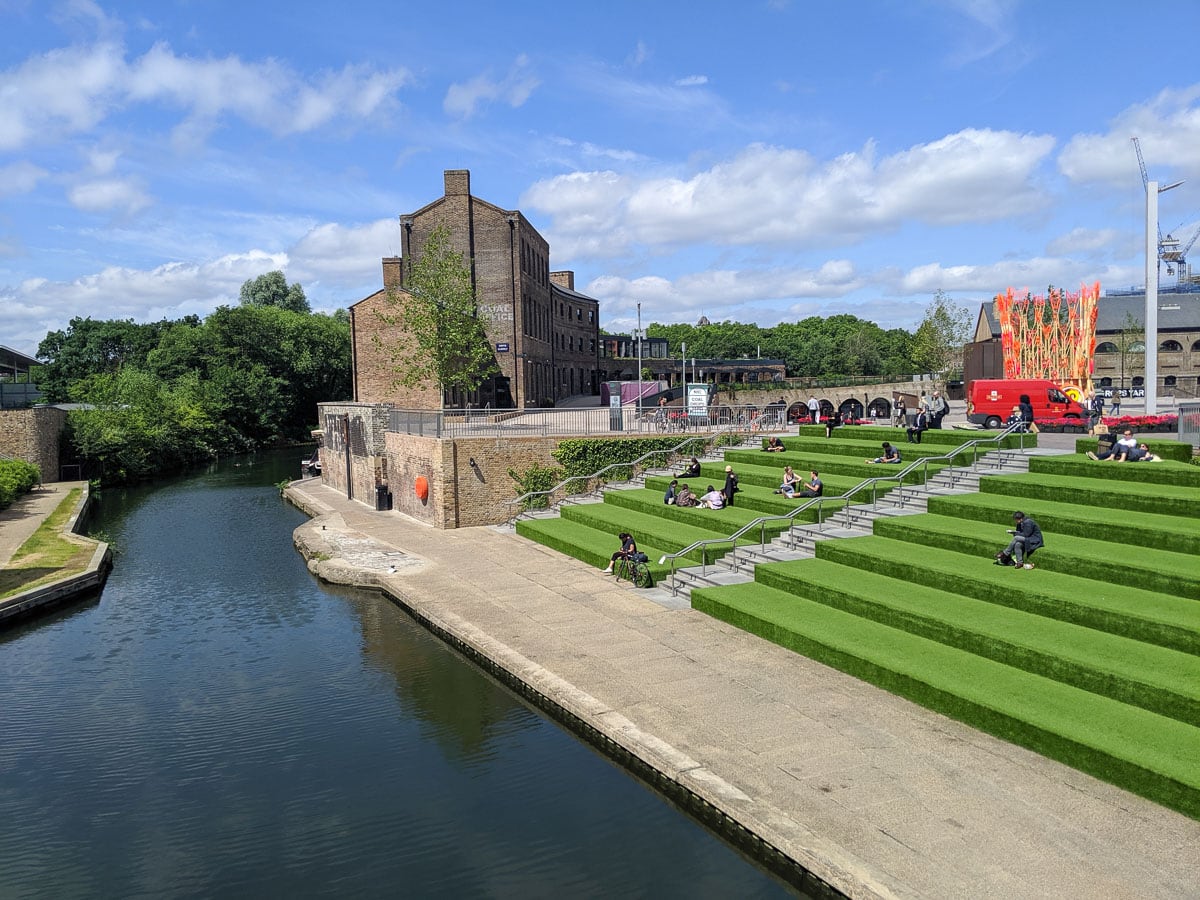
[90,347]
[938,343]
[1131,346]
[441,335]
[272,289]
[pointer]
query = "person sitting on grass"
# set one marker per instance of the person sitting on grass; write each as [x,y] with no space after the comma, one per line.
[774,445]
[890,455]
[628,548]
[919,426]
[831,422]
[712,499]
[692,470]
[1026,538]
[672,494]
[790,480]
[1119,450]
[1141,453]
[685,497]
[814,487]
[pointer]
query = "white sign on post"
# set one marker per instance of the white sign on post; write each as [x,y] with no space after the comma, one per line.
[697,400]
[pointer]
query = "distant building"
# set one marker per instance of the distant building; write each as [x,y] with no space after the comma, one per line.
[544,333]
[619,361]
[1178,345]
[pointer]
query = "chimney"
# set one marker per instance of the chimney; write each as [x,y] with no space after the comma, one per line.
[564,279]
[391,272]
[458,182]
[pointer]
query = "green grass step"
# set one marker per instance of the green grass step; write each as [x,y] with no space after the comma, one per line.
[1140,751]
[756,499]
[1104,560]
[1178,534]
[869,449]
[1155,678]
[1108,493]
[648,528]
[948,436]
[584,543]
[1179,451]
[649,500]
[1134,612]
[849,466]
[1170,472]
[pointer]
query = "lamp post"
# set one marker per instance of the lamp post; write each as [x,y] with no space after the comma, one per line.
[683,359]
[638,336]
[1151,380]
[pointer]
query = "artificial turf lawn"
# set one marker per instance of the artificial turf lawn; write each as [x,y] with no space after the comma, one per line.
[1144,752]
[1114,494]
[1155,678]
[1180,451]
[1169,472]
[1128,610]
[1178,534]
[1157,570]
[584,543]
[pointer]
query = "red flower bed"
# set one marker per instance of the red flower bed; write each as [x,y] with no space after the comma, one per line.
[1142,422]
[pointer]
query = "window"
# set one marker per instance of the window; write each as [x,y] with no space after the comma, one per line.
[1169,381]
[1105,382]
[592,319]
[1106,347]
[1137,347]
[1170,347]
[1196,347]
[1139,381]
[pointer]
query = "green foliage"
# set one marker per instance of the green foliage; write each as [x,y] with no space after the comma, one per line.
[272,289]
[90,347]
[938,343]
[1131,348]
[436,314]
[17,477]
[836,345]
[586,456]
[536,478]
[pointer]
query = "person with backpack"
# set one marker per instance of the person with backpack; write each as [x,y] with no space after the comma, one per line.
[1026,538]
[628,548]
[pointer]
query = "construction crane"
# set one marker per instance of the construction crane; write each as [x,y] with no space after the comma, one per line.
[1137,146]
[1169,251]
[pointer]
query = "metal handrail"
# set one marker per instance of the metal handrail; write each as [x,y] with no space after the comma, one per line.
[873,483]
[733,428]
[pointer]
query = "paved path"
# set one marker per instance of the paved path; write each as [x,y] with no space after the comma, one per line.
[875,795]
[21,520]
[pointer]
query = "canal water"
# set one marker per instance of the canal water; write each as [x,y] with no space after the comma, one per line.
[219,724]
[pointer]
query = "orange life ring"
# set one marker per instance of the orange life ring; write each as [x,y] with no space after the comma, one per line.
[422,488]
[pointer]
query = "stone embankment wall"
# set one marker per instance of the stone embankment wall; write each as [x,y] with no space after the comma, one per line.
[32,435]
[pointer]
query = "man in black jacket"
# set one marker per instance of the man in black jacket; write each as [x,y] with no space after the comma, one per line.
[1026,537]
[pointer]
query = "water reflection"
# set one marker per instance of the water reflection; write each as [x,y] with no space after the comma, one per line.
[221,725]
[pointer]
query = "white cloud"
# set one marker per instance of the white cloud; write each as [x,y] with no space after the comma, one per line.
[515,88]
[692,81]
[109,195]
[1083,240]
[20,178]
[333,252]
[987,280]
[71,90]
[776,196]
[1168,127]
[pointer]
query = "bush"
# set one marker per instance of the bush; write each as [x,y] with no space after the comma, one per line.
[586,456]
[17,477]
[536,478]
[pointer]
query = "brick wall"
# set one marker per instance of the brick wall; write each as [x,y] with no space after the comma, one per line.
[374,344]
[367,426]
[32,435]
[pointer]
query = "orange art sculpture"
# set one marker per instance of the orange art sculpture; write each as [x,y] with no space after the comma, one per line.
[1051,336]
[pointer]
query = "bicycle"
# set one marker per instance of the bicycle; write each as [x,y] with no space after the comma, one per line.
[636,571]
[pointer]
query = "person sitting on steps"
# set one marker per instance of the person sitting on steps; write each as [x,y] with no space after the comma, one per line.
[774,445]
[628,548]
[692,470]
[814,487]
[920,425]
[1026,538]
[790,480]
[890,455]
[685,497]
[712,499]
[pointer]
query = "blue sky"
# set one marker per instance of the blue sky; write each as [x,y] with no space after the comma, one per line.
[763,161]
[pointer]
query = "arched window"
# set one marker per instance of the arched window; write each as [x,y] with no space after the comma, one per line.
[1196,347]
[1138,381]
[1170,347]
[1137,347]
[1108,347]
[1169,381]
[1105,382]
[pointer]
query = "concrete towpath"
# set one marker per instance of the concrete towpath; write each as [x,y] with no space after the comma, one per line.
[871,793]
[27,513]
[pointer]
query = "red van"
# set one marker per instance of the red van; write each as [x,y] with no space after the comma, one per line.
[990,401]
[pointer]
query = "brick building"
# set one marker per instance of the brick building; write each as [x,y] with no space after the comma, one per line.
[545,334]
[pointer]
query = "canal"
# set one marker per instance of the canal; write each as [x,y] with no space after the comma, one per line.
[220,724]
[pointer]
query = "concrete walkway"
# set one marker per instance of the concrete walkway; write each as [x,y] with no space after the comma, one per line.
[876,796]
[22,519]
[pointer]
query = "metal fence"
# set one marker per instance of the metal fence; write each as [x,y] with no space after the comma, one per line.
[451,423]
[1189,422]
